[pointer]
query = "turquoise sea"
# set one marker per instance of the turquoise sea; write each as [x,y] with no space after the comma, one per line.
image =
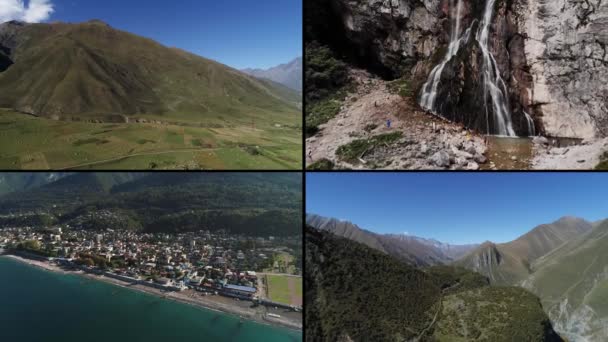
[38,305]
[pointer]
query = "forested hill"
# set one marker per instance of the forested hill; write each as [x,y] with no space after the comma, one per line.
[356,293]
[247,203]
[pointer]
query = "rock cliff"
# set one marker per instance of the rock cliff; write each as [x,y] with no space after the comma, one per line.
[551,56]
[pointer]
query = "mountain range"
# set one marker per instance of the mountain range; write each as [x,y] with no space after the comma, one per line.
[564,263]
[288,74]
[414,250]
[356,293]
[244,203]
[20,181]
[92,71]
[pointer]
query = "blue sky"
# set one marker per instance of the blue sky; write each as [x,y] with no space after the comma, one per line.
[457,207]
[239,33]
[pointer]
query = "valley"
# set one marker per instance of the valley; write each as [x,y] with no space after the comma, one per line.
[564,263]
[39,143]
[90,96]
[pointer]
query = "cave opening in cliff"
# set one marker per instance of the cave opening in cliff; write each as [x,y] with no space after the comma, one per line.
[324,24]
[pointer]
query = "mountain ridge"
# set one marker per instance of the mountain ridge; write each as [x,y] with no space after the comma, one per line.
[92,70]
[411,249]
[288,74]
[510,262]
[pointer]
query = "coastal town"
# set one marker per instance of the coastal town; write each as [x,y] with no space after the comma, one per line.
[259,278]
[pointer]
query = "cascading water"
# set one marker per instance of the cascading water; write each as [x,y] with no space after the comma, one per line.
[429,89]
[530,122]
[493,84]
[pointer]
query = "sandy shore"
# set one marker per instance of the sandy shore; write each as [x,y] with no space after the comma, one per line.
[231,306]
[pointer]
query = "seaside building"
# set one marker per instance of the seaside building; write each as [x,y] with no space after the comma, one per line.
[240,290]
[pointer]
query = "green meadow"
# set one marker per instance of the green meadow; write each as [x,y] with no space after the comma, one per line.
[28,142]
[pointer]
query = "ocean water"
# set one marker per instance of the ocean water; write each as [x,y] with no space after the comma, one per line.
[38,305]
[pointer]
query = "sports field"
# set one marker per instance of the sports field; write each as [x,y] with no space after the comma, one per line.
[28,142]
[285,289]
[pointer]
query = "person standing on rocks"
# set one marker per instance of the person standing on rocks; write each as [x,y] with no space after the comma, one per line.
[388,123]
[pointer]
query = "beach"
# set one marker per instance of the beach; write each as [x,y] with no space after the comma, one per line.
[227,305]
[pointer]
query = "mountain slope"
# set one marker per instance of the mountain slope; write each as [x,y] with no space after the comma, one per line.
[20,181]
[345,229]
[411,249]
[355,293]
[244,203]
[509,263]
[92,70]
[572,283]
[289,74]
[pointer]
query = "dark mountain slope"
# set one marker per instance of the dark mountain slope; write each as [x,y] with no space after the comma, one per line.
[246,203]
[353,290]
[20,181]
[92,70]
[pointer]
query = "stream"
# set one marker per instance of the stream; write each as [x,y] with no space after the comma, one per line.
[501,151]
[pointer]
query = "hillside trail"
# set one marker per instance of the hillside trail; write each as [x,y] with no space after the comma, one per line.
[443,291]
[364,114]
[371,104]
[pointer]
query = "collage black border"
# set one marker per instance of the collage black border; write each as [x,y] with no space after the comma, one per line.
[303,171]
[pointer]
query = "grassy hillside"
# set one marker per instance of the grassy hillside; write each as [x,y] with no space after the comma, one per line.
[510,263]
[493,314]
[34,143]
[572,283]
[94,69]
[355,293]
[167,108]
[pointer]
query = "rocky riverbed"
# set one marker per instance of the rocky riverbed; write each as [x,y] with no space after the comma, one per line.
[584,156]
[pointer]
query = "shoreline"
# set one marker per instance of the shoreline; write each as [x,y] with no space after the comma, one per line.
[214,303]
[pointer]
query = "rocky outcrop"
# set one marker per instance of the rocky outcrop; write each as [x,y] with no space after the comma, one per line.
[394,33]
[551,54]
[565,46]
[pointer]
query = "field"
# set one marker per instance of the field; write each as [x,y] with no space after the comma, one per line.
[29,142]
[284,289]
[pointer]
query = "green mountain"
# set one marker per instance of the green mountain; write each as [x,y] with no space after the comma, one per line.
[356,293]
[92,71]
[245,203]
[572,282]
[510,263]
[20,181]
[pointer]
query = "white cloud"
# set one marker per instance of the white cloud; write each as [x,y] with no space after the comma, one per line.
[33,12]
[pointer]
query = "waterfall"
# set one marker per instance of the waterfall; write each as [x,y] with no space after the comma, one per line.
[493,84]
[429,89]
[530,122]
